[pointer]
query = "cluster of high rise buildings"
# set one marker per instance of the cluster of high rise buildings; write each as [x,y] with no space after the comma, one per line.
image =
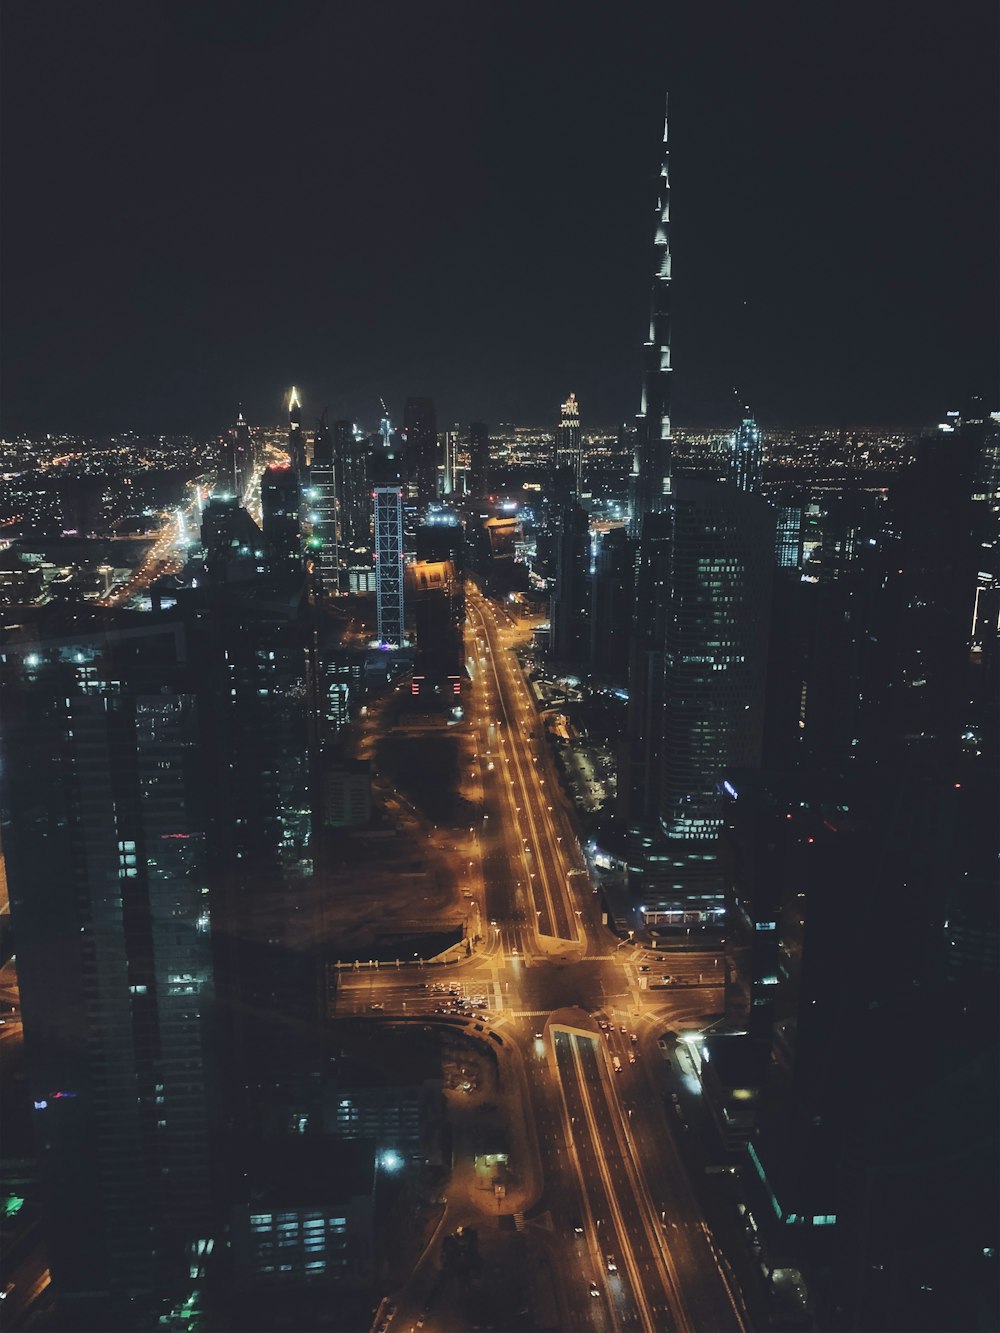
[811,670]
[809,741]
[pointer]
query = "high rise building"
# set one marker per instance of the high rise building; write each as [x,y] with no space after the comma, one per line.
[420,429]
[236,460]
[612,588]
[479,460]
[438,608]
[389,564]
[569,446]
[325,540]
[715,655]
[280,499]
[569,607]
[104,828]
[747,456]
[650,483]
[449,447]
[233,545]
[296,436]
[353,493]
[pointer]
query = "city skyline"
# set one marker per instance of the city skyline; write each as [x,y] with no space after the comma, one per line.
[303,215]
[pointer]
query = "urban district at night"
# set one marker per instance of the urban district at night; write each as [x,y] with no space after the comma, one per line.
[501,833]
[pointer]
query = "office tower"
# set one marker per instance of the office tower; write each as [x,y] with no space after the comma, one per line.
[479,460]
[245,456]
[715,656]
[650,483]
[104,829]
[569,446]
[437,601]
[931,583]
[227,481]
[354,493]
[747,456]
[389,564]
[296,437]
[420,429]
[449,448]
[612,588]
[233,545]
[325,540]
[641,759]
[280,498]
[569,607]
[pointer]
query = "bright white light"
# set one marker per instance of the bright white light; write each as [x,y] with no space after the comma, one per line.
[390,1160]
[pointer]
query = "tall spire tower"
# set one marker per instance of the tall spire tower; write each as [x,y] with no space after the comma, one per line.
[651,462]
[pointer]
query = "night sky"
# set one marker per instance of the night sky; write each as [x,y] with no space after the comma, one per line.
[204,202]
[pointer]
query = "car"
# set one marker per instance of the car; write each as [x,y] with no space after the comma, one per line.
[612,1266]
[578,1227]
[631,1057]
[633,1039]
[603,1025]
[594,1289]
[623,1028]
[376,1006]
[643,967]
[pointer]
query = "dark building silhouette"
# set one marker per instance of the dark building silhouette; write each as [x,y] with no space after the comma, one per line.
[105,827]
[479,460]
[437,605]
[280,501]
[234,547]
[420,429]
[569,607]
[612,587]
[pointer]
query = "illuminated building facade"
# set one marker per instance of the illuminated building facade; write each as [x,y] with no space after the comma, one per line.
[747,456]
[650,482]
[296,436]
[325,539]
[569,445]
[389,564]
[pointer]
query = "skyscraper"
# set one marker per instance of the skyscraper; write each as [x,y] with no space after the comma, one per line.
[650,483]
[479,460]
[569,446]
[104,813]
[296,438]
[715,661]
[569,614]
[612,588]
[325,540]
[389,564]
[420,428]
[280,498]
[747,456]
[350,461]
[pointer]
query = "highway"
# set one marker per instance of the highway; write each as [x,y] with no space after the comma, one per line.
[601,1153]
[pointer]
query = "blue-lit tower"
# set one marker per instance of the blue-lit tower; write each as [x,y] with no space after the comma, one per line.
[747,457]
[389,564]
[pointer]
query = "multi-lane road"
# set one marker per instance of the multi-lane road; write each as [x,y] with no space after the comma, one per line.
[579,1015]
